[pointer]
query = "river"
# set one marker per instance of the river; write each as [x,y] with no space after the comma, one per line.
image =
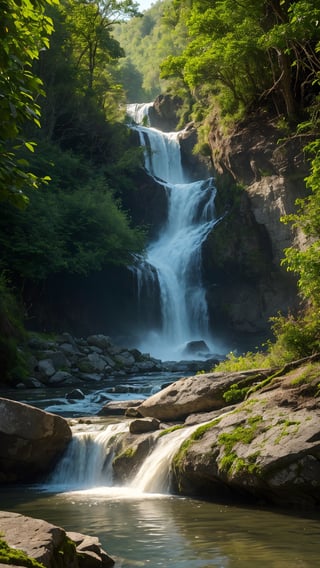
[152,530]
[142,524]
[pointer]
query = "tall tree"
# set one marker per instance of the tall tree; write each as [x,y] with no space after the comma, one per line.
[91,23]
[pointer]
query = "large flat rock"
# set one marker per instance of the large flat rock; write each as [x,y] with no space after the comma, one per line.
[200,393]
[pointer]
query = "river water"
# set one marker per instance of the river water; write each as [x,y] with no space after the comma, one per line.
[142,524]
[172,532]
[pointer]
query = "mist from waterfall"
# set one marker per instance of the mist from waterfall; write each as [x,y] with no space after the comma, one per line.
[170,273]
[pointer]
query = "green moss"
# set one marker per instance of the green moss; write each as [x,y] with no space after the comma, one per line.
[308,375]
[243,434]
[289,427]
[172,429]
[235,394]
[196,435]
[128,453]
[16,557]
[247,465]
[199,432]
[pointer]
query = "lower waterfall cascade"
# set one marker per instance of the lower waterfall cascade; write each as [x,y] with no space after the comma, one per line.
[170,273]
[87,463]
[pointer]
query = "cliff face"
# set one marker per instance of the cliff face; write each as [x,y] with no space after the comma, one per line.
[259,176]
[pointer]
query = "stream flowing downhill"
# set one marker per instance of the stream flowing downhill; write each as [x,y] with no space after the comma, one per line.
[170,273]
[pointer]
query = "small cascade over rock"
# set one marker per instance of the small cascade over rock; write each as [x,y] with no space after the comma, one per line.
[87,463]
[169,276]
[88,459]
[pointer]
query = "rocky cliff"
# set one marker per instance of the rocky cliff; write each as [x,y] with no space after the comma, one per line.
[260,174]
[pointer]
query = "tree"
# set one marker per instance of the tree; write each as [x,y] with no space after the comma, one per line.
[246,53]
[24,31]
[92,44]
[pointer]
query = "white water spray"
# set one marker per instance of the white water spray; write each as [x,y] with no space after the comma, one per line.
[173,261]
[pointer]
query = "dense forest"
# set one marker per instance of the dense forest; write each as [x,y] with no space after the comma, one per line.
[66,158]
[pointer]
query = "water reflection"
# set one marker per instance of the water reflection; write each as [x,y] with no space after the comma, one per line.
[176,532]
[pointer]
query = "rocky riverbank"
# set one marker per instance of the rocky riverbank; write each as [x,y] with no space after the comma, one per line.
[256,435]
[65,360]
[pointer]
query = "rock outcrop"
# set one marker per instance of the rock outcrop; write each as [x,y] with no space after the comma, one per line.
[258,435]
[242,255]
[189,395]
[50,545]
[31,441]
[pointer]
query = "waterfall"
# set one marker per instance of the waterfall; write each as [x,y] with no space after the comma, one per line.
[87,463]
[155,472]
[139,112]
[172,265]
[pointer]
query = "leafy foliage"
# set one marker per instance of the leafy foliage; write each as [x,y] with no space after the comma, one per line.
[306,262]
[75,226]
[146,42]
[243,54]
[24,31]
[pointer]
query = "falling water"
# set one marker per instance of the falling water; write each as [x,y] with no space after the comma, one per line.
[173,264]
[88,459]
[155,472]
[87,463]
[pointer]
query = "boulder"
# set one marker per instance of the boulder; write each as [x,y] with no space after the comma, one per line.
[118,408]
[31,441]
[200,393]
[62,377]
[90,553]
[267,448]
[140,426]
[96,361]
[100,340]
[196,348]
[50,545]
[45,368]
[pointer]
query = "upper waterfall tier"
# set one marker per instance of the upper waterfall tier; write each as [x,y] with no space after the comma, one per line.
[170,274]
